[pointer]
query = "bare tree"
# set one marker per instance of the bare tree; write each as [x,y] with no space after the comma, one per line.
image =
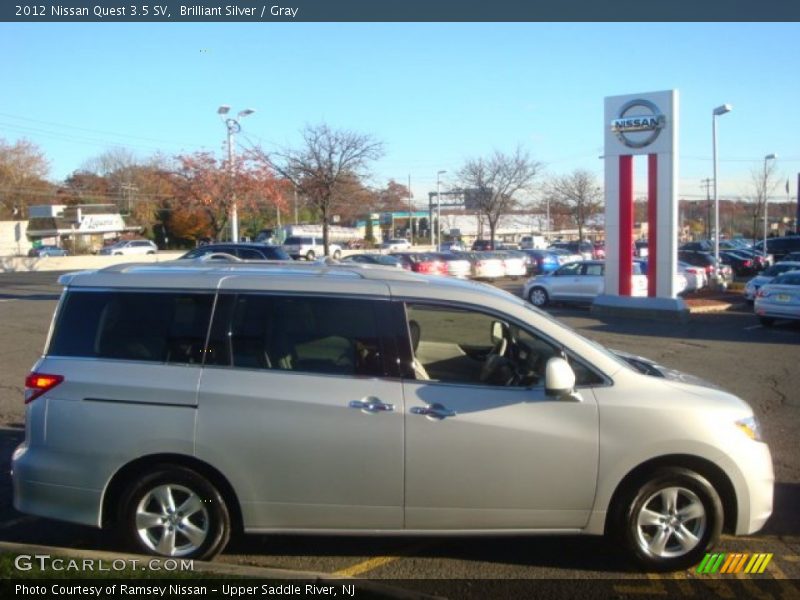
[329,162]
[763,183]
[496,182]
[578,194]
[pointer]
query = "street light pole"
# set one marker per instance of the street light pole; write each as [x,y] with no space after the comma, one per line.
[720,110]
[233,127]
[438,211]
[766,199]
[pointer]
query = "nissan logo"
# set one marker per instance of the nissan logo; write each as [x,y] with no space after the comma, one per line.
[638,124]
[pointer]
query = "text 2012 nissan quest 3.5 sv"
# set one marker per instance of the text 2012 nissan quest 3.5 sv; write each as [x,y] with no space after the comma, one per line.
[180,403]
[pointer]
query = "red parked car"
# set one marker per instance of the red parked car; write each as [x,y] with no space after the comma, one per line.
[420,262]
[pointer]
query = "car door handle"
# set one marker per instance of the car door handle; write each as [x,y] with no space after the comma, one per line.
[437,411]
[371,405]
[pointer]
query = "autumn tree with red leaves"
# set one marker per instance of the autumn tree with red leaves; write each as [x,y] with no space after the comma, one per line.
[205,185]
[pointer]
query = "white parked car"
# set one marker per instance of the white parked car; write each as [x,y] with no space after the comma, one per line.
[486,265]
[179,404]
[514,266]
[396,244]
[309,247]
[696,278]
[130,247]
[457,264]
[751,287]
[577,282]
[779,299]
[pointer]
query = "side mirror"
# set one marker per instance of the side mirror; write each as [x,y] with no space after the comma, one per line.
[559,378]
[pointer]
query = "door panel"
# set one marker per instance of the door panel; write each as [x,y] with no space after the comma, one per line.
[297,454]
[508,458]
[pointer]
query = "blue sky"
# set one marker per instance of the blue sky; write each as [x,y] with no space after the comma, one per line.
[435,94]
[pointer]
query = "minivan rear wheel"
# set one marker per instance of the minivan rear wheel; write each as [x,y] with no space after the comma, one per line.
[670,520]
[175,512]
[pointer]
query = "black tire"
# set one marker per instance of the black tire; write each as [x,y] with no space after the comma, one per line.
[310,255]
[538,296]
[767,321]
[655,541]
[337,254]
[200,534]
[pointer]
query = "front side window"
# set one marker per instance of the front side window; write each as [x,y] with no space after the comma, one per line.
[337,336]
[148,326]
[569,270]
[466,346]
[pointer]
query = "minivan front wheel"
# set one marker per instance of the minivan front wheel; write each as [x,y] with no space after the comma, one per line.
[671,520]
[175,512]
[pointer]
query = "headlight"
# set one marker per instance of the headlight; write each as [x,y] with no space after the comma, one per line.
[750,427]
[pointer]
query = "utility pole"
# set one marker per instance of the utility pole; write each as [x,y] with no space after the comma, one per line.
[707,184]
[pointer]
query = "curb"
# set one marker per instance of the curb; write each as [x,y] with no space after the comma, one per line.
[220,568]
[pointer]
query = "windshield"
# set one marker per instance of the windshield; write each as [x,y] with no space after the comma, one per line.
[596,345]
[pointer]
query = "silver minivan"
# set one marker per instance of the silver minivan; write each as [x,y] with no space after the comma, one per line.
[180,403]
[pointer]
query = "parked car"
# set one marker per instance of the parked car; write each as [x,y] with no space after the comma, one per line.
[751,287]
[482,245]
[543,261]
[309,247]
[779,247]
[532,242]
[130,248]
[456,264]
[779,299]
[486,265]
[696,278]
[600,250]
[577,282]
[584,249]
[42,251]
[515,263]
[455,246]
[791,256]
[641,248]
[385,260]
[184,403]
[723,273]
[687,277]
[741,264]
[396,244]
[243,250]
[565,256]
[698,246]
[421,262]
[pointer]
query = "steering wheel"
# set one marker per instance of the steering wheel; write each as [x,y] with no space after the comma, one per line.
[496,359]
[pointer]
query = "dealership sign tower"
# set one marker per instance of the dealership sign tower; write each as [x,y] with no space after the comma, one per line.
[643,125]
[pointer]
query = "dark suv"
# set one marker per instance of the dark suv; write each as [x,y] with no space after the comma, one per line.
[482,245]
[779,247]
[243,251]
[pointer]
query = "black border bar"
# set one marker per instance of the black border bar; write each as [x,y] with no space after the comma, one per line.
[332,11]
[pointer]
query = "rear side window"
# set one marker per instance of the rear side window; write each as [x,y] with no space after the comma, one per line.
[147,326]
[337,336]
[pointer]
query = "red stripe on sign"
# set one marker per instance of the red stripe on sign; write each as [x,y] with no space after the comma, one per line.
[652,224]
[625,224]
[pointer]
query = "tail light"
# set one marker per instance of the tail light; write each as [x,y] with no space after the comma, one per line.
[37,384]
[710,269]
[761,293]
[748,263]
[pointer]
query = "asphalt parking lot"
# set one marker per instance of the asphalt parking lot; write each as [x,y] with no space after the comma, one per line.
[730,349]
